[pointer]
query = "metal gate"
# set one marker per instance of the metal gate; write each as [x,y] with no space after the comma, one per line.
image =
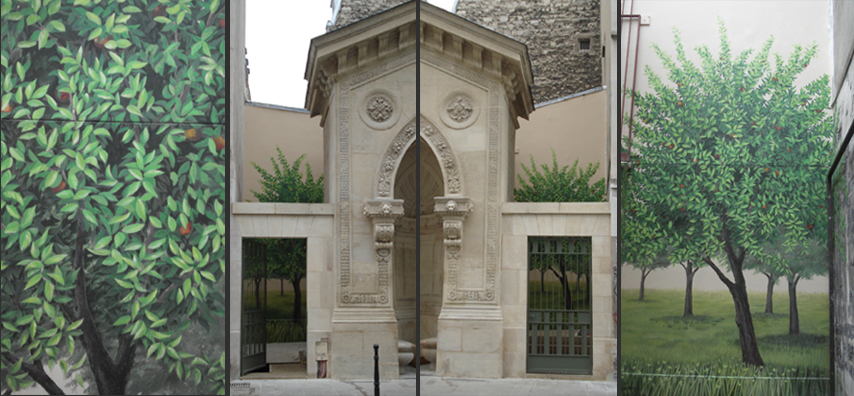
[559,334]
[253,336]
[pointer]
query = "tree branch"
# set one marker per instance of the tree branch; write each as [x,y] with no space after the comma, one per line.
[36,371]
[729,284]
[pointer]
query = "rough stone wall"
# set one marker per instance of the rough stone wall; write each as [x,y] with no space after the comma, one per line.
[842,282]
[354,10]
[552,30]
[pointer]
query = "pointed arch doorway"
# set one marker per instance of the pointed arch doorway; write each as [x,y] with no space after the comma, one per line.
[431,236]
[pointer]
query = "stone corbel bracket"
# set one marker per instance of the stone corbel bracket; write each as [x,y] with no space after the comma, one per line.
[383,213]
[453,211]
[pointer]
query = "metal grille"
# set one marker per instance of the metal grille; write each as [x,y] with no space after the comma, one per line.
[254,332]
[559,334]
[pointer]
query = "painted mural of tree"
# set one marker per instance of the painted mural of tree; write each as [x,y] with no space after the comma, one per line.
[771,271]
[640,232]
[113,189]
[728,153]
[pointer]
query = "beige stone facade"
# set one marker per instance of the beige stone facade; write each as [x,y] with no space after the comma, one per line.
[475,101]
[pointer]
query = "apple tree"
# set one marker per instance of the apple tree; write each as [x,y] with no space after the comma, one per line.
[729,152]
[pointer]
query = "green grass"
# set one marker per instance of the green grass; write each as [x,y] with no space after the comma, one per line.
[278,306]
[656,339]
[279,314]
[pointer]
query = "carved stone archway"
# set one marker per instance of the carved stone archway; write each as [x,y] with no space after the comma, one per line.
[452,177]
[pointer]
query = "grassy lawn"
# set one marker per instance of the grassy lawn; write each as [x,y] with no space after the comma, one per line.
[278,306]
[656,339]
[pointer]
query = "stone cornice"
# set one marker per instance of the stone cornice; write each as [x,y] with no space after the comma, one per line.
[391,33]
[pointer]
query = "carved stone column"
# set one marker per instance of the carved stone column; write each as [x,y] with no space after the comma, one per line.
[383,213]
[453,211]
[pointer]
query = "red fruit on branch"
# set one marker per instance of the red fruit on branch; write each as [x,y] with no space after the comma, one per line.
[59,188]
[681,185]
[672,146]
[679,103]
[682,208]
[186,230]
[779,128]
[7,109]
[776,173]
[222,23]
[810,226]
[774,78]
[220,143]
[764,206]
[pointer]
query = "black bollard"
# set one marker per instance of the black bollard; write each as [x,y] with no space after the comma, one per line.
[376,369]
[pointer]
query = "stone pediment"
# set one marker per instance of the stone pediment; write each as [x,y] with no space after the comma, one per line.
[442,34]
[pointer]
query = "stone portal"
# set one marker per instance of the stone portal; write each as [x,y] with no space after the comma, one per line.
[474,85]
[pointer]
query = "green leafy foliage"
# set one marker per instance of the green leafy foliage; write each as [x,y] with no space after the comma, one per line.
[286,258]
[286,183]
[728,155]
[555,184]
[113,186]
[734,140]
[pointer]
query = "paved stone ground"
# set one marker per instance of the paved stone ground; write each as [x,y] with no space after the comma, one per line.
[430,386]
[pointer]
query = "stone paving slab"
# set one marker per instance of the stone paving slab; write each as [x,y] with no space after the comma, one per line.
[430,386]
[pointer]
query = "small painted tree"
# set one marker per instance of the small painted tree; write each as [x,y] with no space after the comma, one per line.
[771,266]
[733,150]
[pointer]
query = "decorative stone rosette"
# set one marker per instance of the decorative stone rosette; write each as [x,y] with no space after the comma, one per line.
[459,110]
[379,109]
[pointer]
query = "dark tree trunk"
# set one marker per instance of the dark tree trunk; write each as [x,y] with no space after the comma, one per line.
[644,273]
[258,293]
[743,319]
[794,320]
[542,280]
[690,270]
[564,286]
[297,300]
[567,293]
[282,288]
[111,375]
[769,293]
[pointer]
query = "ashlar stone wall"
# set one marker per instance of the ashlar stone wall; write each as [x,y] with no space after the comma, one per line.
[552,30]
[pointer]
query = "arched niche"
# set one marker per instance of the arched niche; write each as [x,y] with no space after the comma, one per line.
[389,164]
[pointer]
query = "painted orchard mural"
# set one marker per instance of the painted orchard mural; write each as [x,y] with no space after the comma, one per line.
[727,173]
[113,188]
